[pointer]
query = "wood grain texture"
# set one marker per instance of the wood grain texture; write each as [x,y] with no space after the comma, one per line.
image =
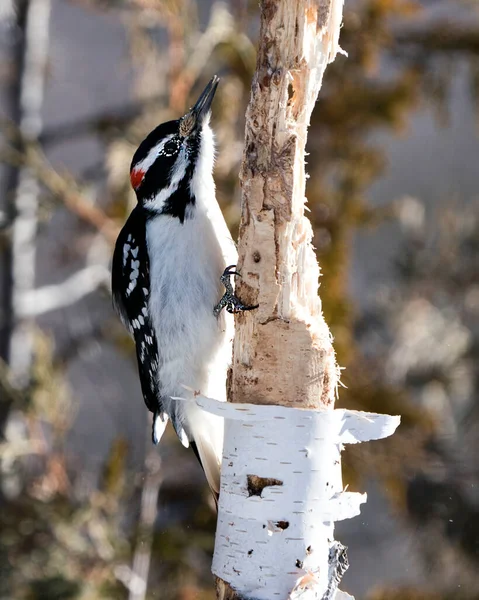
[283,351]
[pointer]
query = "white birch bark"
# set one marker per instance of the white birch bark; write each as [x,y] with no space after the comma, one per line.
[281,487]
[24,225]
[281,492]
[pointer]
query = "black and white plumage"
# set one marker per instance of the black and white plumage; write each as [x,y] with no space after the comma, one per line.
[166,273]
[131,285]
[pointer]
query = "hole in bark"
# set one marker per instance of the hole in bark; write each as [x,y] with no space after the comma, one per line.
[250,552]
[257,484]
[290,92]
[309,550]
[256,256]
[282,524]
[299,564]
[276,76]
[269,9]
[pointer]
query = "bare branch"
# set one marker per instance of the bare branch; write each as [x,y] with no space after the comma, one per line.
[149,498]
[63,187]
[52,297]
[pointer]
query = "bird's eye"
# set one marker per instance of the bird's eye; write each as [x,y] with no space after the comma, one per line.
[170,148]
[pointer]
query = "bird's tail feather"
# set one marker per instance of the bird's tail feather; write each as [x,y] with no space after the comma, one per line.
[214,491]
[160,420]
[206,438]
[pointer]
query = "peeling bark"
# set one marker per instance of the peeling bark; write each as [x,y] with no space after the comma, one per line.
[283,352]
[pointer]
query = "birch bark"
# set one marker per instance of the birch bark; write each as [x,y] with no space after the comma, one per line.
[33,17]
[29,39]
[283,353]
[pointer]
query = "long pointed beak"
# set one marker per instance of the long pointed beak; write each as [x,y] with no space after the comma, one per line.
[203,104]
[194,119]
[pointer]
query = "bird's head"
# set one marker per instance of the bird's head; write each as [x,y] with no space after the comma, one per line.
[172,163]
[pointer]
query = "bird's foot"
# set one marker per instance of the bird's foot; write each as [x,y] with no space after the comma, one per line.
[229,300]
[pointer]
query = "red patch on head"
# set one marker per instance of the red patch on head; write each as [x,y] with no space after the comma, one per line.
[136,177]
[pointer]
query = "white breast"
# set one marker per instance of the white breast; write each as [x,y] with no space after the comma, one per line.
[186,262]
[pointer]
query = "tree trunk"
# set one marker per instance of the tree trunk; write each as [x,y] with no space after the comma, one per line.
[281,487]
[18,261]
[283,354]
[282,351]
[24,228]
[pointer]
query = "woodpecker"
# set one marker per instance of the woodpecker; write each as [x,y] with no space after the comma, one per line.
[167,281]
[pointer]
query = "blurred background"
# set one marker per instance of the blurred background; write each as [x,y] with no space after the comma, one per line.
[88,508]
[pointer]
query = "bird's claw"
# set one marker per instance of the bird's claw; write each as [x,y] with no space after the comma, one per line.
[229,300]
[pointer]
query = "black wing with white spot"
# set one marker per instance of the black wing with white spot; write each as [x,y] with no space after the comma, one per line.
[131,287]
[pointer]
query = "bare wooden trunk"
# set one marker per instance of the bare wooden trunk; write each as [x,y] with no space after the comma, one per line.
[283,352]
